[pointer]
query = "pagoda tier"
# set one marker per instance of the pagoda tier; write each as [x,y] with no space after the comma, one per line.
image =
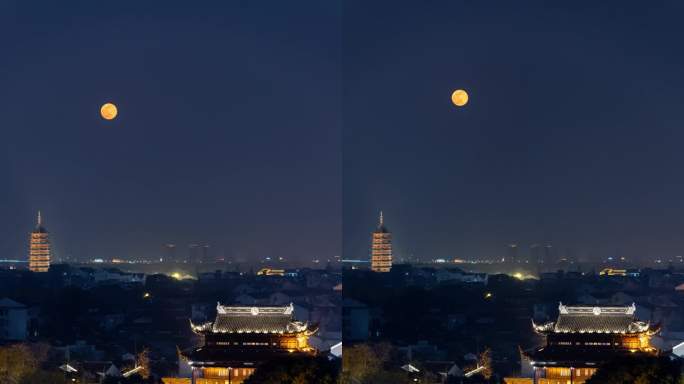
[381,248]
[39,248]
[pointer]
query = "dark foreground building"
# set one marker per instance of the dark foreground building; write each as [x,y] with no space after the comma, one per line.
[241,338]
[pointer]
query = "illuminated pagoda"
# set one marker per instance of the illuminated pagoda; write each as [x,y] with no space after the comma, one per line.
[39,248]
[240,338]
[381,248]
[584,337]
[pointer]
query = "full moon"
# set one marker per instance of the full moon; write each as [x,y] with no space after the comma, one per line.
[459,97]
[108,111]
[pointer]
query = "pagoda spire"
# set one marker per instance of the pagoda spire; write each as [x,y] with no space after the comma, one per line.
[382,220]
[40,219]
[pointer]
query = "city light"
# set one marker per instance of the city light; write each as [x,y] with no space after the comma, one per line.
[180,276]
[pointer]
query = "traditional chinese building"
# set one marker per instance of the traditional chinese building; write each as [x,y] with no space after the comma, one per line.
[39,248]
[241,338]
[381,248]
[582,338]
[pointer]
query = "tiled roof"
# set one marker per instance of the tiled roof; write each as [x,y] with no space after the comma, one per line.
[250,323]
[381,229]
[582,319]
[40,229]
[253,320]
[593,323]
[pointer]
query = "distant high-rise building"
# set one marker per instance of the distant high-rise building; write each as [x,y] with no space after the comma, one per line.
[548,254]
[570,255]
[193,253]
[536,255]
[381,248]
[512,253]
[205,254]
[170,253]
[39,250]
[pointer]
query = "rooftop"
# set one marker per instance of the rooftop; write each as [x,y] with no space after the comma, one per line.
[39,225]
[585,319]
[381,225]
[233,319]
[9,303]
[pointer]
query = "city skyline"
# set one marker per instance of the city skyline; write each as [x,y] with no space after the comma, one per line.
[191,253]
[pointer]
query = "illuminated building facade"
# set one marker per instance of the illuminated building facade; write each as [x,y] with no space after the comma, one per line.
[381,248]
[619,272]
[240,338]
[39,248]
[584,337]
[271,272]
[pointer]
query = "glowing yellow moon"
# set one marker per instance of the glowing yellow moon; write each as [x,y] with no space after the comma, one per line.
[108,111]
[459,97]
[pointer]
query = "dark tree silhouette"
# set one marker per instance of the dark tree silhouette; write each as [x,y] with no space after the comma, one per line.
[638,370]
[296,370]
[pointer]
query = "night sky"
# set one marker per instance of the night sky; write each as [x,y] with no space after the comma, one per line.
[229,127]
[260,127]
[573,134]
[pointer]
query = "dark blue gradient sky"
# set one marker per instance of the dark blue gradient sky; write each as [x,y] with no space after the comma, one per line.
[573,134]
[259,127]
[228,130]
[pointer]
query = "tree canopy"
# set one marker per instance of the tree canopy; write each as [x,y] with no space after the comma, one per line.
[22,364]
[638,370]
[365,363]
[296,370]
